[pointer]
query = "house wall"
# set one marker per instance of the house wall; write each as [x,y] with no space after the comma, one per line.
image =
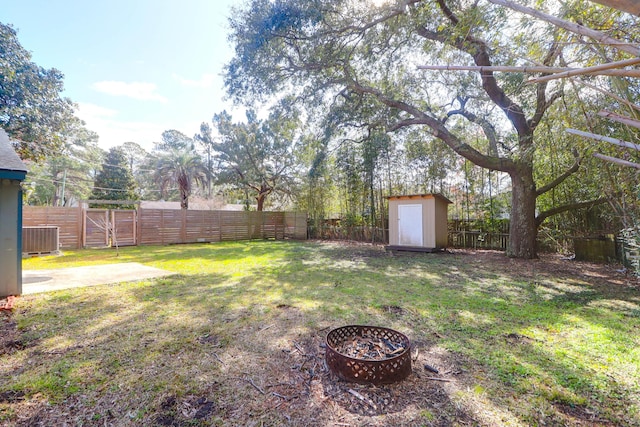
[10,238]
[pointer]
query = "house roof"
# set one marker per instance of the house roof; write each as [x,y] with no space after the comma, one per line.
[10,164]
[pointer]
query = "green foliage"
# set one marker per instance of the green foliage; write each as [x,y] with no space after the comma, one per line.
[135,155]
[317,193]
[258,156]
[180,168]
[174,140]
[141,165]
[32,110]
[70,171]
[431,161]
[206,142]
[354,65]
[115,180]
[630,241]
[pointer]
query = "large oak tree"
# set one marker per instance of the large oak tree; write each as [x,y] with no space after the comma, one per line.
[349,52]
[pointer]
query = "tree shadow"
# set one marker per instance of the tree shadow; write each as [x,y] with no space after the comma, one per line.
[249,345]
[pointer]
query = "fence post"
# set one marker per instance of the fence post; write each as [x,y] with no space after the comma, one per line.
[83,232]
[81,227]
[137,222]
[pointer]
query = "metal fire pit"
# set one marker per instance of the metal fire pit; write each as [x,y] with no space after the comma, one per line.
[368,371]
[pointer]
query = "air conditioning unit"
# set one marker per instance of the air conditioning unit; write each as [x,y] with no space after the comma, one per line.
[43,240]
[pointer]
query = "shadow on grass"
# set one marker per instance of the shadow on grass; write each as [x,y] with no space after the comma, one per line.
[527,345]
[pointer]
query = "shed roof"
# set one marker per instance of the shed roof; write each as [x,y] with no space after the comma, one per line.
[420,196]
[9,160]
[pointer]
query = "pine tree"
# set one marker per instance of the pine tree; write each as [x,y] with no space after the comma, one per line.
[115,181]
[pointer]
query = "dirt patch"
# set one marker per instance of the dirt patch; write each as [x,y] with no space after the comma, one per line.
[587,417]
[9,335]
[191,410]
[306,392]
[393,309]
[547,265]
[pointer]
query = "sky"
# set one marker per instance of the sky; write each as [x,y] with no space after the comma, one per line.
[135,68]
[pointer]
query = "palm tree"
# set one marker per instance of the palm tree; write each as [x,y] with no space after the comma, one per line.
[183,168]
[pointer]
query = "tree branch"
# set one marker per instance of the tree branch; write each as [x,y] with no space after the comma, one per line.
[631,6]
[620,119]
[488,129]
[572,206]
[525,69]
[560,179]
[479,51]
[612,95]
[614,141]
[438,129]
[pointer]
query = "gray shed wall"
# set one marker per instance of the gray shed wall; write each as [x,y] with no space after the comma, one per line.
[12,173]
[10,238]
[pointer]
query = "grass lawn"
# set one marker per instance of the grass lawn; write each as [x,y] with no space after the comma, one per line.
[236,338]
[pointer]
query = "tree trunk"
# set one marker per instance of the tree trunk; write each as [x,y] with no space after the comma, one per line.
[56,199]
[184,200]
[523,229]
[265,190]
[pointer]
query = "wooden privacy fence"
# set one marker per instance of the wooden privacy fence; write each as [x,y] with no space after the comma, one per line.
[166,226]
[69,220]
[103,227]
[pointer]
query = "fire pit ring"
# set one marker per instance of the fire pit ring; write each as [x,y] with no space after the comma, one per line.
[368,371]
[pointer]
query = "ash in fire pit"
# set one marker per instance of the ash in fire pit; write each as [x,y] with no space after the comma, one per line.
[368,354]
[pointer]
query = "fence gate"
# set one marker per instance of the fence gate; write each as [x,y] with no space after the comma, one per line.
[106,227]
[124,230]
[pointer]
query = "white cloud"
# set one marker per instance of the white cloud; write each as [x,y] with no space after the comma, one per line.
[92,110]
[113,131]
[205,81]
[137,90]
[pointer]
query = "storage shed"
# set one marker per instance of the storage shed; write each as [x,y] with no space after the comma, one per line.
[418,222]
[12,173]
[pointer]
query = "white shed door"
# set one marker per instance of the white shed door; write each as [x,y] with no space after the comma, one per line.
[410,225]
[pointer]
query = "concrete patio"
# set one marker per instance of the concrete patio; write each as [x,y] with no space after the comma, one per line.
[37,281]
